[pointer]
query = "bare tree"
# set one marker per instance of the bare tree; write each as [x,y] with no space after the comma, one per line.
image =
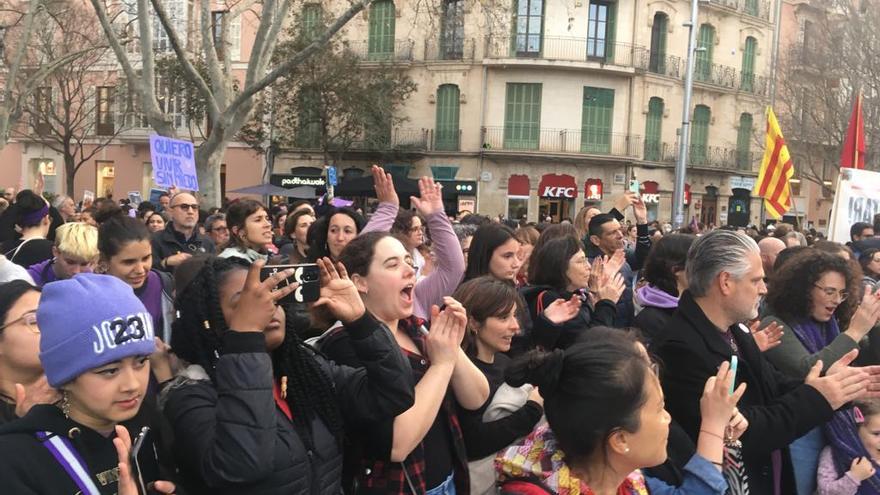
[71,111]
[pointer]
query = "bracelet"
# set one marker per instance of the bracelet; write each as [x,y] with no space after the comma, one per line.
[719,437]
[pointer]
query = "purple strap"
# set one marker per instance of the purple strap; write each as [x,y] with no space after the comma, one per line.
[69,458]
[34,217]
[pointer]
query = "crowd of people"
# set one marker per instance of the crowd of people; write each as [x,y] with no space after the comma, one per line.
[442,355]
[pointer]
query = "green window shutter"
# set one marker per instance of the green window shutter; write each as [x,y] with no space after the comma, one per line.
[657,64]
[380,45]
[528,25]
[700,135]
[611,31]
[744,142]
[311,21]
[522,116]
[597,118]
[654,130]
[752,7]
[447,130]
[703,66]
[747,82]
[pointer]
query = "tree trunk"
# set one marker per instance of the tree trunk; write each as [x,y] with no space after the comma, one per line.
[69,174]
[208,161]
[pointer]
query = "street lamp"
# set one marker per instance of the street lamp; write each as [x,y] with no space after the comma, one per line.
[684,139]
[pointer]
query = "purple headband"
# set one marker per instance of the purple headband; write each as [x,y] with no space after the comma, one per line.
[34,217]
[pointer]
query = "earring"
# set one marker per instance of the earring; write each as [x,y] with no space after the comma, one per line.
[626,450]
[65,404]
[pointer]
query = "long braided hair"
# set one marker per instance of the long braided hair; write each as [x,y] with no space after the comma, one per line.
[197,338]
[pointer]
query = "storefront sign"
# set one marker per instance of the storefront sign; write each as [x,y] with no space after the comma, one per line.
[467,204]
[593,189]
[558,192]
[291,181]
[174,163]
[737,182]
[651,198]
[857,200]
[557,186]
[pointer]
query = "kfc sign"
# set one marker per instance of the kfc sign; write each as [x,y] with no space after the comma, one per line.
[560,186]
[558,192]
[651,199]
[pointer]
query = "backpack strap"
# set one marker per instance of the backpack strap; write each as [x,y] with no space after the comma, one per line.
[69,459]
[16,250]
[541,302]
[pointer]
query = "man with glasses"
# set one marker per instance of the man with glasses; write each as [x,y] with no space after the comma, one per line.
[181,239]
[217,230]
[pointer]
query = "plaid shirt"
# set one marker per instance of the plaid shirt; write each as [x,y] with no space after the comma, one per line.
[384,476]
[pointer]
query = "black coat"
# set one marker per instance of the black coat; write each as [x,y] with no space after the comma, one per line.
[546,334]
[232,438]
[652,321]
[778,408]
[169,242]
[28,468]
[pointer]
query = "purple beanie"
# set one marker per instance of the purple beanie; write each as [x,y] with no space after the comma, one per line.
[88,321]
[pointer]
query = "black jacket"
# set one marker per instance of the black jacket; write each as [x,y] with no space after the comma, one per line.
[546,334]
[652,321]
[169,242]
[28,468]
[778,408]
[232,438]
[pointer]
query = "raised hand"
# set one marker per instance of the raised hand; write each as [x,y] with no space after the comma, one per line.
[338,293]
[640,211]
[865,317]
[613,263]
[717,405]
[257,303]
[38,393]
[127,485]
[845,384]
[612,290]
[444,339]
[562,310]
[384,186]
[767,337]
[622,202]
[430,198]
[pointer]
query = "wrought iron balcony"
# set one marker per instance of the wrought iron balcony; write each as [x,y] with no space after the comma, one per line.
[374,51]
[528,46]
[580,141]
[438,50]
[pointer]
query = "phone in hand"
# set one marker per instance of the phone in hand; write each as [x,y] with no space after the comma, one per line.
[144,461]
[634,186]
[307,275]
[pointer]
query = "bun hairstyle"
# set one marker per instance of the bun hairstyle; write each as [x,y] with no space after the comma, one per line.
[602,380]
[29,209]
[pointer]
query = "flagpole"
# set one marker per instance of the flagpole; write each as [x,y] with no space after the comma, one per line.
[684,138]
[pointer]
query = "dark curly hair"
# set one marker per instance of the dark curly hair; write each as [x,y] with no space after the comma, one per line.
[403,223]
[317,236]
[791,286]
[310,390]
[667,256]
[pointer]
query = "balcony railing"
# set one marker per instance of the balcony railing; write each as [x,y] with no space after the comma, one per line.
[582,141]
[715,74]
[658,63]
[397,140]
[400,51]
[751,83]
[754,8]
[449,50]
[445,140]
[706,156]
[561,48]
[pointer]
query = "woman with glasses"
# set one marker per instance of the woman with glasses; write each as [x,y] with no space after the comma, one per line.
[870,261]
[21,376]
[817,299]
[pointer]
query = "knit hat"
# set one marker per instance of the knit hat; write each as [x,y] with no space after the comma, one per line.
[88,321]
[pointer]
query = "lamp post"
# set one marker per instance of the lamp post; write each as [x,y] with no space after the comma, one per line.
[685,137]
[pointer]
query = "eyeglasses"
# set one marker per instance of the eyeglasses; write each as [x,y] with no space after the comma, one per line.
[219,229]
[29,319]
[831,292]
[185,207]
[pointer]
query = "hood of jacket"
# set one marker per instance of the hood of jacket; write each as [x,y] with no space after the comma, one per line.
[649,295]
[538,457]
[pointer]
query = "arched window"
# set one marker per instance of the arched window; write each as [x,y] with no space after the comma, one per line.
[705,49]
[747,80]
[657,63]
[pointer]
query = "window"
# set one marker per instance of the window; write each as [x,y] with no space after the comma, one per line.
[217,17]
[657,63]
[43,110]
[308,133]
[700,134]
[234,38]
[597,117]
[752,7]
[311,21]
[747,78]
[104,111]
[705,47]
[743,142]
[529,22]
[381,36]
[522,116]
[601,30]
[653,130]
[177,13]
[447,130]
[517,207]
[452,30]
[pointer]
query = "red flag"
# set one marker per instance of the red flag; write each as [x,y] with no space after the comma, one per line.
[853,153]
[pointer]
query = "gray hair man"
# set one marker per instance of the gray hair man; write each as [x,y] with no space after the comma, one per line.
[726,281]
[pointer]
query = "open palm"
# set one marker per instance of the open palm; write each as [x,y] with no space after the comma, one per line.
[338,293]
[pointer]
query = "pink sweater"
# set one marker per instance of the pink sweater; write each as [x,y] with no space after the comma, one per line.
[827,480]
[449,271]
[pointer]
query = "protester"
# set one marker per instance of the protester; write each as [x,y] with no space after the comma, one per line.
[846,465]
[181,239]
[559,281]
[421,449]
[278,222]
[217,230]
[164,201]
[66,207]
[870,263]
[725,284]
[88,216]
[31,215]
[75,251]
[257,411]
[665,275]
[770,248]
[250,231]
[409,227]
[103,381]
[582,220]
[125,253]
[834,248]
[493,251]
[156,221]
[493,307]
[329,235]
[607,420]
[465,234]
[296,230]
[527,236]
[860,231]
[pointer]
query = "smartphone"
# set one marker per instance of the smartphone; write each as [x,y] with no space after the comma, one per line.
[634,186]
[307,275]
[734,362]
[144,461]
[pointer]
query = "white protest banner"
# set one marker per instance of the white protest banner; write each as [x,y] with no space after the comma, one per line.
[174,163]
[857,200]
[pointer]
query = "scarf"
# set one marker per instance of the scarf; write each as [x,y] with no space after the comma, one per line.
[843,437]
[816,336]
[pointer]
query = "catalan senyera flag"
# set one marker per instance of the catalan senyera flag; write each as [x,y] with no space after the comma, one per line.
[852,155]
[776,171]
